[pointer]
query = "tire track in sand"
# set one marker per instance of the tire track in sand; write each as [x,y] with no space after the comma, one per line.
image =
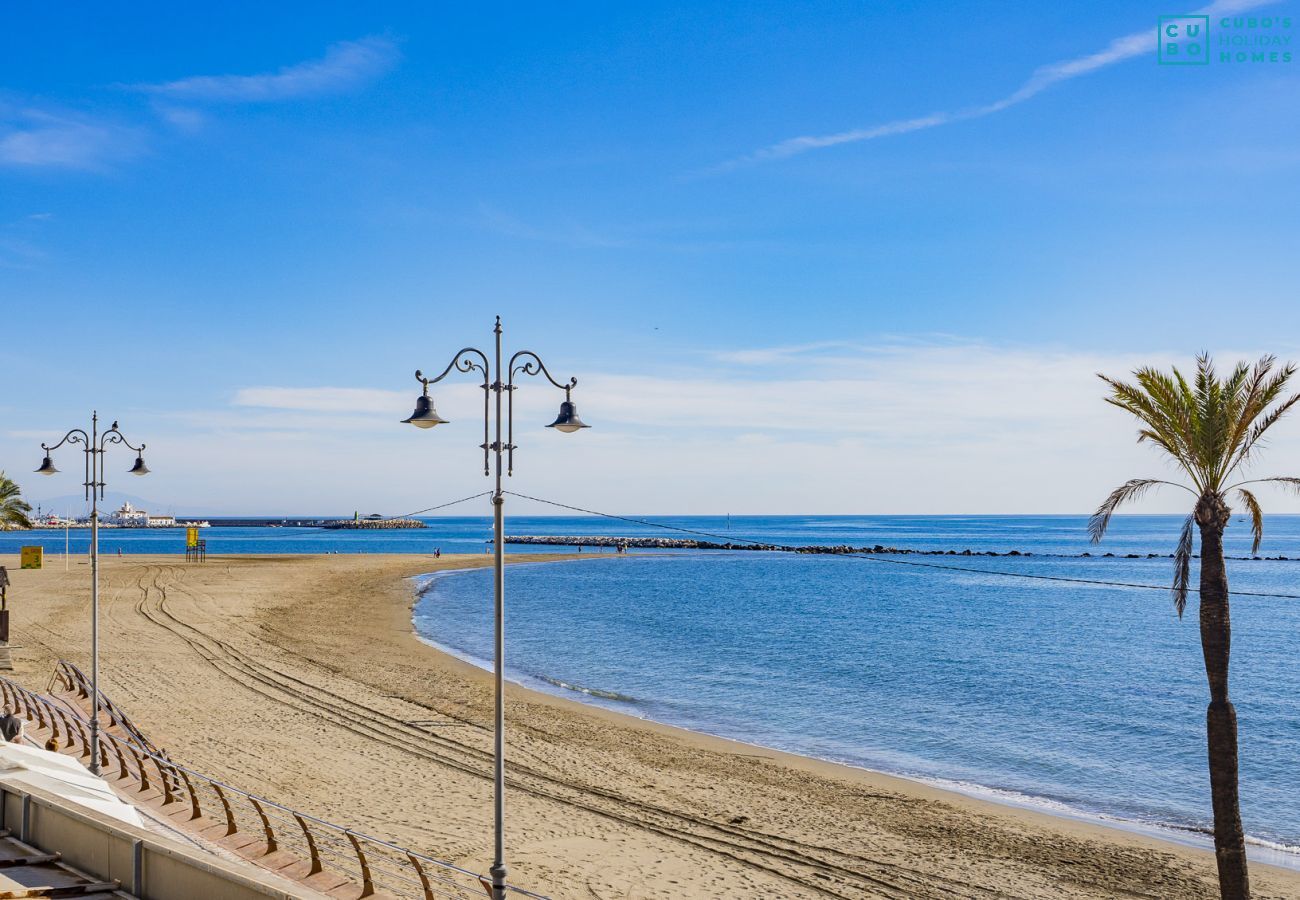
[823,870]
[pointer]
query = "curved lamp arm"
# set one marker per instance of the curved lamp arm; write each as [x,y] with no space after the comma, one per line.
[532,365]
[75,436]
[113,436]
[464,361]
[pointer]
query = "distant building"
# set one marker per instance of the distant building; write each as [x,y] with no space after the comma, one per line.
[127,516]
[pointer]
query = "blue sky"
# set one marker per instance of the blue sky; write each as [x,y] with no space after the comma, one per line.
[803,257]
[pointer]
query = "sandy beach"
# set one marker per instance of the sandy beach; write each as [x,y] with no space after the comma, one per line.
[299,677]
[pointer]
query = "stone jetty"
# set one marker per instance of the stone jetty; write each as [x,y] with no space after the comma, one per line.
[662,543]
[665,543]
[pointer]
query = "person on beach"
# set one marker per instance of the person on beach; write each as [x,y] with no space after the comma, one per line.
[11,727]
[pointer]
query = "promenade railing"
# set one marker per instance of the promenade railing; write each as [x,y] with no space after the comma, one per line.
[373,864]
[74,680]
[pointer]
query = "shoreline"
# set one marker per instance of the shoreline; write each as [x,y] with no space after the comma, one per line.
[301,678]
[1259,850]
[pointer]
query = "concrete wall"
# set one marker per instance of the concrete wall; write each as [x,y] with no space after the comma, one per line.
[149,866]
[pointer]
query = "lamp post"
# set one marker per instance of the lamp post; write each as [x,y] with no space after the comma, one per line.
[498,380]
[93,446]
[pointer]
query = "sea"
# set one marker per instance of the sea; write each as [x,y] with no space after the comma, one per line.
[1080,699]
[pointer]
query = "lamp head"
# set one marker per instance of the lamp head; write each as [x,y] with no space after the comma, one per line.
[425,416]
[47,466]
[568,421]
[139,468]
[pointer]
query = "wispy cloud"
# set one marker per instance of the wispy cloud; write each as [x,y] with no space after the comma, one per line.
[184,119]
[19,254]
[18,248]
[569,233]
[35,138]
[1117,51]
[922,425]
[898,393]
[764,356]
[906,426]
[346,65]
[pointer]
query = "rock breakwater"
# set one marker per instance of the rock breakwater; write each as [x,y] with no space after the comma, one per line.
[664,543]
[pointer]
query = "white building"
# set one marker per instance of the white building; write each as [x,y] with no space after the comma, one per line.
[127,516]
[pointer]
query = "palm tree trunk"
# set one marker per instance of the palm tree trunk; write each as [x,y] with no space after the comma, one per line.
[1212,515]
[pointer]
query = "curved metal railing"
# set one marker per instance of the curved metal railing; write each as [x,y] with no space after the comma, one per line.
[371,862]
[73,679]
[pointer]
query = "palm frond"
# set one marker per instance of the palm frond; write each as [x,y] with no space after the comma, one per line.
[1183,566]
[13,508]
[1129,490]
[1263,389]
[1285,480]
[1256,518]
[1157,401]
[1206,402]
[1210,426]
[1242,394]
[1257,430]
[1147,434]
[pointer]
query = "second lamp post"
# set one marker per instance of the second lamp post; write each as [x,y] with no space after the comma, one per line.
[498,380]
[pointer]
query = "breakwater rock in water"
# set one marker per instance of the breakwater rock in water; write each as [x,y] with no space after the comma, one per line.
[659,543]
[369,524]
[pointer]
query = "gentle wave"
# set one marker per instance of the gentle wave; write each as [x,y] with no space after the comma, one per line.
[590,692]
[1276,853]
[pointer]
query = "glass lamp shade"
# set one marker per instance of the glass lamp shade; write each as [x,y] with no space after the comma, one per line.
[425,416]
[47,467]
[568,421]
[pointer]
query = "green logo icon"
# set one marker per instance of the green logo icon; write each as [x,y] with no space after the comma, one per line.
[1184,40]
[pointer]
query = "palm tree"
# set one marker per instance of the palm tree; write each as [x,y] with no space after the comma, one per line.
[13,508]
[1211,429]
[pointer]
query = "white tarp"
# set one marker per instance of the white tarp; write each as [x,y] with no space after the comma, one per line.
[63,775]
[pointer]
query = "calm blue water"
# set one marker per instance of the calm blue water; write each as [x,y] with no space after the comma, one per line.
[1089,699]
[1037,534]
[1076,697]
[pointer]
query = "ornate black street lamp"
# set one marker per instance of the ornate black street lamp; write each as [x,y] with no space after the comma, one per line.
[502,384]
[93,446]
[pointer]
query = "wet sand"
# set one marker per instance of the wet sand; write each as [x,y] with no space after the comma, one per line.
[299,677]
